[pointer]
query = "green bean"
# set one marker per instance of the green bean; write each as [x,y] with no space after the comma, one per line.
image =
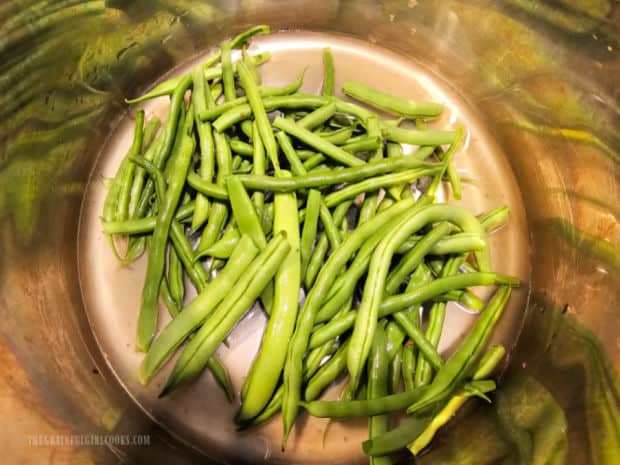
[258,168]
[288,89]
[218,211]
[317,117]
[308,234]
[317,142]
[208,189]
[316,356]
[291,155]
[327,373]
[202,99]
[313,162]
[228,77]
[365,144]
[196,273]
[328,73]
[378,374]
[305,155]
[171,304]
[395,370]
[485,367]
[354,110]
[314,299]
[175,277]
[437,287]
[250,65]
[417,137]
[364,408]
[414,257]
[269,362]
[376,183]
[244,36]
[329,226]
[333,329]
[167,87]
[244,212]
[449,376]
[144,225]
[220,374]
[242,148]
[156,254]
[437,316]
[337,137]
[122,211]
[373,291]
[495,218]
[344,175]
[196,312]
[316,260]
[260,115]
[322,246]
[390,103]
[408,366]
[446,162]
[228,312]
[135,249]
[242,112]
[222,248]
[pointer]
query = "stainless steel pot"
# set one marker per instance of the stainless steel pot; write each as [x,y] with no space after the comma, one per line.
[539,81]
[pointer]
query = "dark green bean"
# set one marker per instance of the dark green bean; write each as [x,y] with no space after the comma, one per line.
[453,371]
[485,367]
[175,277]
[218,211]
[395,370]
[156,254]
[308,235]
[408,366]
[171,304]
[202,99]
[414,257]
[333,329]
[345,175]
[144,225]
[376,183]
[327,373]
[196,273]
[390,103]
[314,299]
[122,211]
[378,374]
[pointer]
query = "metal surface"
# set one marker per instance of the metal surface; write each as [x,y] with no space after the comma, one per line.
[200,414]
[540,77]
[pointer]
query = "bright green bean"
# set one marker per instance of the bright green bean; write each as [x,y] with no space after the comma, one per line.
[417,137]
[260,115]
[390,103]
[317,117]
[228,312]
[328,73]
[269,362]
[245,213]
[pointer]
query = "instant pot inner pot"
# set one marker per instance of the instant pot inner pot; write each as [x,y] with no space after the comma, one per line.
[199,413]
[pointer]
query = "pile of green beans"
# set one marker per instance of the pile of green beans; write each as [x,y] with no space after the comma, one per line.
[256,194]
